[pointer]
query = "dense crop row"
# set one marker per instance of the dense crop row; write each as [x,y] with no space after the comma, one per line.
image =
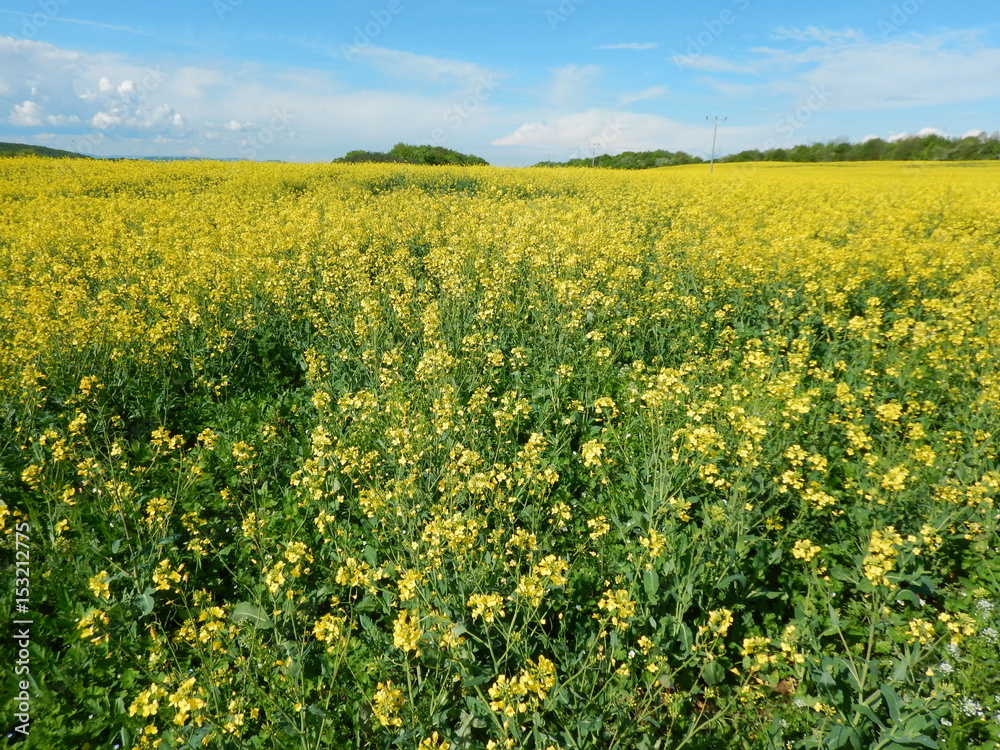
[368,455]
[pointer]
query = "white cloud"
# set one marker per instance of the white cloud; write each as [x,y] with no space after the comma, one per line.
[31,68]
[62,120]
[32,19]
[26,114]
[922,133]
[907,71]
[118,105]
[571,84]
[81,93]
[814,34]
[710,64]
[105,120]
[653,92]
[423,68]
[616,131]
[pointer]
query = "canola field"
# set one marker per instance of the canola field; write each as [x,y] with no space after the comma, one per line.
[376,456]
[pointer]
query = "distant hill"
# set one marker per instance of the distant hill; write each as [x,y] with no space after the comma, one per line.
[403,153]
[23,149]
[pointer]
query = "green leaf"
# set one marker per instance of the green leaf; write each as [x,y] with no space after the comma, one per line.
[370,555]
[901,671]
[834,617]
[477,680]
[651,582]
[685,637]
[891,701]
[198,735]
[249,611]
[144,602]
[916,724]
[842,736]
[734,578]
[905,595]
[867,712]
[713,673]
[464,724]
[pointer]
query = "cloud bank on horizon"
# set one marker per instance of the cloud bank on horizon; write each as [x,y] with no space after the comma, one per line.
[514,81]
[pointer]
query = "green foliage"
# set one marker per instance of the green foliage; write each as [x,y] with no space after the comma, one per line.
[403,153]
[916,148]
[630,160]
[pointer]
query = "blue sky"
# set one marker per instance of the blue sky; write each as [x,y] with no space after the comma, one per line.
[514,81]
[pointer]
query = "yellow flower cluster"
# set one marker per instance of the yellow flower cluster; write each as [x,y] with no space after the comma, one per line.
[187,698]
[510,696]
[619,605]
[406,632]
[487,606]
[386,704]
[100,586]
[147,703]
[719,622]
[804,549]
[165,576]
[881,557]
[329,629]
[591,451]
[90,625]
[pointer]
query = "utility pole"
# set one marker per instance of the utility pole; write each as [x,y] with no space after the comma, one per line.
[594,145]
[715,133]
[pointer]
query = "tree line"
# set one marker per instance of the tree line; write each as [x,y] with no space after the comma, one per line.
[403,153]
[629,160]
[916,148]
